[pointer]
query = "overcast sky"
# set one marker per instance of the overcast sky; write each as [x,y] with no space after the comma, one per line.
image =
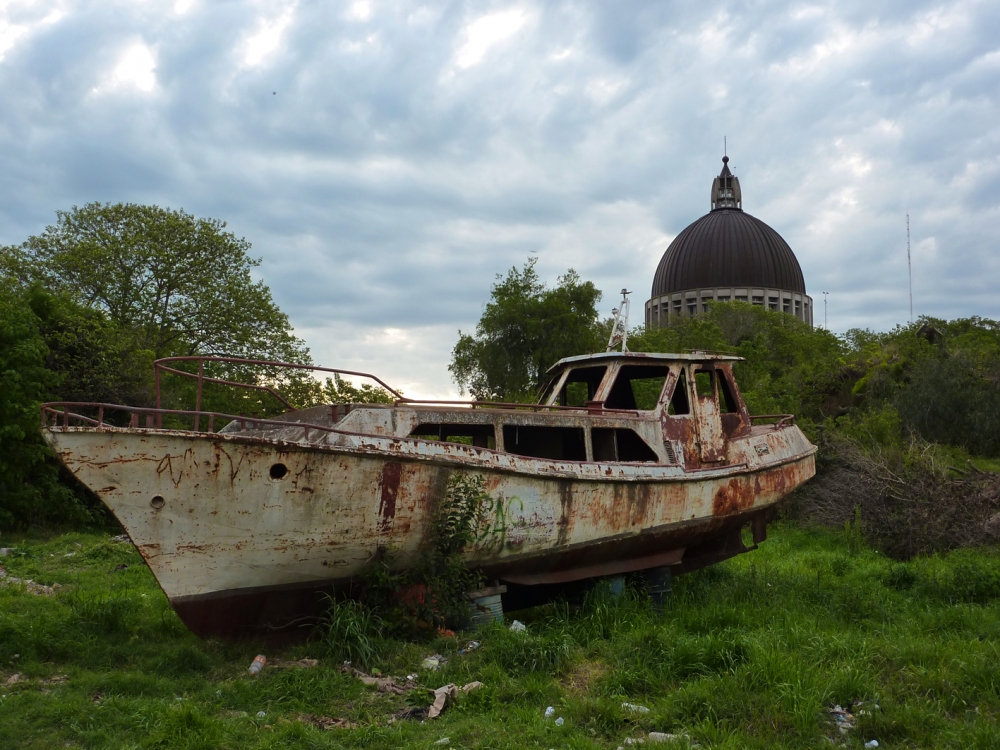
[388,159]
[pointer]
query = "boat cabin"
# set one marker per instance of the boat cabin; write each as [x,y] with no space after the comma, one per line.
[612,407]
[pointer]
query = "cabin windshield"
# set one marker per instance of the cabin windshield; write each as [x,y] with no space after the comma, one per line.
[637,387]
[581,385]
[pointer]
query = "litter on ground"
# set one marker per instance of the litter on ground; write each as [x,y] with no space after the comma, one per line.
[635,708]
[382,684]
[38,589]
[325,722]
[433,662]
[446,693]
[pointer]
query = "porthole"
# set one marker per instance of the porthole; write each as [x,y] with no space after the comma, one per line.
[279,471]
[157,502]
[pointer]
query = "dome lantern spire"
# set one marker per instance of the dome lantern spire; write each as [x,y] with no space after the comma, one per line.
[726,189]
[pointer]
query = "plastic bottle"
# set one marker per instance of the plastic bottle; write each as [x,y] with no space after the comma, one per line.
[258,664]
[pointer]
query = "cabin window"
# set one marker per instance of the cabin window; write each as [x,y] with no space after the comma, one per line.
[479,435]
[581,386]
[679,405]
[703,384]
[637,387]
[559,443]
[618,444]
[727,402]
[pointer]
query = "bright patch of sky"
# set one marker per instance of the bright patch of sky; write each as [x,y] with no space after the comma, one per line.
[12,31]
[486,32]
[267,38]
[136,68]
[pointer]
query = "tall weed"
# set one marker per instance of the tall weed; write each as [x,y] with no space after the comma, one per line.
[349,631]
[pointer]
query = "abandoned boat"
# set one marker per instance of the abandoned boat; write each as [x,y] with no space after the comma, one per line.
[628,462]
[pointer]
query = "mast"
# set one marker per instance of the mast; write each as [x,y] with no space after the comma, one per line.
[909,266]
[619,325]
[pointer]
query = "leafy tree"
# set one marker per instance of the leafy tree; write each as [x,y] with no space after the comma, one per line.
[525,328]
[181,282]
[91,358]
[29,488]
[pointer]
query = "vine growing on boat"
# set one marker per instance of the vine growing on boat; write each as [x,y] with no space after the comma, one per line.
[430,595]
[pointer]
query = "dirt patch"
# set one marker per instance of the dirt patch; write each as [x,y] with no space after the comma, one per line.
[583,676]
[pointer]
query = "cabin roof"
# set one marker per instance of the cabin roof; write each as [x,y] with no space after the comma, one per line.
[640,356]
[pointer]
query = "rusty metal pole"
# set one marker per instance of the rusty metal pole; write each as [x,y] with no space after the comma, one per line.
[156,380]
[197,402]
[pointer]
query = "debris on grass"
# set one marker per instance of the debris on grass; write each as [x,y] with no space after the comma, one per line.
[433,662]
[871,744]
[448,692]
[560,721]
[659,738]
[4,551]
[382,684]
[550,712]
[122,539]
[443,741]
[325,722]
[258,664]
[13,680]
[38,589]
[842,719]
[518,627]
[409,713]
[635,708]
[472,646]
[300,664]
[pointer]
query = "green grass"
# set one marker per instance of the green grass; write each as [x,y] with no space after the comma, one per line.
[750,655]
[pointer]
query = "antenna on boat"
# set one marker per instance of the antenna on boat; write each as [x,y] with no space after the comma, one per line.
[909,266]
[619,325]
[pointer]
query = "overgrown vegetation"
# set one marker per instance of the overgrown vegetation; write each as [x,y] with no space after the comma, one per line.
[752,653]
[430,595]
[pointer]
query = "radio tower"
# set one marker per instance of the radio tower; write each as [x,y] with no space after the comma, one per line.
[909,266]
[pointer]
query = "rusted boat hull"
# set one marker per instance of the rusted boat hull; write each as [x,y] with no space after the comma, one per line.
[243,532]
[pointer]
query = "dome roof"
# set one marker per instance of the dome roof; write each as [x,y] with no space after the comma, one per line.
[727,247]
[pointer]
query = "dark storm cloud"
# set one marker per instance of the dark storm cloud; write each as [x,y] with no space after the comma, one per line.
[386,159]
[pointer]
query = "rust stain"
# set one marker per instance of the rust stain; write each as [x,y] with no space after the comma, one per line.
[732,497]
[565,509]
[389,482]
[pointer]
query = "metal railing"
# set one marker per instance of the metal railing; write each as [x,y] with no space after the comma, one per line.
[783,419]
[160,366]
[59,414]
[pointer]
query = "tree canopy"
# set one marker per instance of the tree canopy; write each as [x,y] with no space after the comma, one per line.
[524,329]
[182,283]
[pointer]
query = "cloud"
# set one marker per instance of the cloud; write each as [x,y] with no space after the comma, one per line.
[267,37]
[135,68]
[388,158]
[486,32]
